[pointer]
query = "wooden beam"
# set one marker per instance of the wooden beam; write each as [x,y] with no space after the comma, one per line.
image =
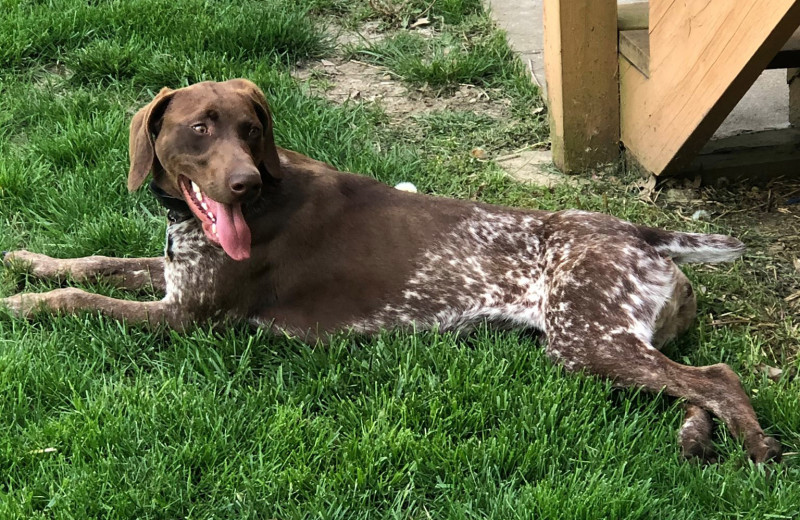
[633,17]
[789,55]
[580,54]
[793,79]
[635,47]
[704,55]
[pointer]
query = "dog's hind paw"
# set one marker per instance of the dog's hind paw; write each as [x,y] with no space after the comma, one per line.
[698,449]
[766,449]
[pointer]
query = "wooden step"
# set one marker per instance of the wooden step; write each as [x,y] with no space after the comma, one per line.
[702,58]
[634,40]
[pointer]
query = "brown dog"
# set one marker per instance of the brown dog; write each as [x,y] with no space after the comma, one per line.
[271,237]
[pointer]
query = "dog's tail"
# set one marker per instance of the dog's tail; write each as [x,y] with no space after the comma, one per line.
[693,247]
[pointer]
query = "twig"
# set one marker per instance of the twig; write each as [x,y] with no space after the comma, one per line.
[720,323]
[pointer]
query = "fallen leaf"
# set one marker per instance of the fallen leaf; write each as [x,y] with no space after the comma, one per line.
[772,373]
[328,63]
[420,22]
[646,187]
[796,263]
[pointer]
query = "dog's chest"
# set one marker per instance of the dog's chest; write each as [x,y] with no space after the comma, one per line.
[191,268]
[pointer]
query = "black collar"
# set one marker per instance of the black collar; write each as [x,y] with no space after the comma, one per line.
[178,208]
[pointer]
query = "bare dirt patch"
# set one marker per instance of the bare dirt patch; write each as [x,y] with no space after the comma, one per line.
[351,81]
[368,33]
[342,80]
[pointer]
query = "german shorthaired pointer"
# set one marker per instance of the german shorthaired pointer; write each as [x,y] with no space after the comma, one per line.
[269,236]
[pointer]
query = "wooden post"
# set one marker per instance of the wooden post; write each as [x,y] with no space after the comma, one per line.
[580,55]
[793,79]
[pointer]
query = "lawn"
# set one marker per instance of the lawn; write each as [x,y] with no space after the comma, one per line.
[103,420]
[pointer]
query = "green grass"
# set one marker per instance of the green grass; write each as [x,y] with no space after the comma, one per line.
[451,59]
[236,424]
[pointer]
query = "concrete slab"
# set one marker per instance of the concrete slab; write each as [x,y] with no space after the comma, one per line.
[523,24]
[765,106]
[536,167]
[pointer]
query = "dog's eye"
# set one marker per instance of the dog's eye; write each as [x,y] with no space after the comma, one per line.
[200,128]
[254,131]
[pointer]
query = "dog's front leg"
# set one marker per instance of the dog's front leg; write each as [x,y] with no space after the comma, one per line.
[125,273]
[72,300]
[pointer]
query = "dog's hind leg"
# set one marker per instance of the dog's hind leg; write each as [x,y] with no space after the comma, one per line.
[125,273]
[601,317]
[631,362]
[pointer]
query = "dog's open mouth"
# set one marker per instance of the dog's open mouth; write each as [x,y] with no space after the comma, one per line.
[223,224]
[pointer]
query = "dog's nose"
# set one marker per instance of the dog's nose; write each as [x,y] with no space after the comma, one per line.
[245,184]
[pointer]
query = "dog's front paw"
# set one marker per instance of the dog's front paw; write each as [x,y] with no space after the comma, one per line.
[27,305]
[21,305]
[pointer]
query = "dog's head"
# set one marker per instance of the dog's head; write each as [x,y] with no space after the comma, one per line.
[210,144]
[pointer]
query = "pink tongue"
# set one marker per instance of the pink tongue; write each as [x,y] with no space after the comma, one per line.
[232,230]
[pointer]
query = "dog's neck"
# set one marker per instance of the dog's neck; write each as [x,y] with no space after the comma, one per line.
[178,209]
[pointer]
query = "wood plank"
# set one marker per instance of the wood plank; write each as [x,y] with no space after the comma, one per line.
[704,55]
[793,79]
[635,47]
[580,51]
[757,156]
[632,17]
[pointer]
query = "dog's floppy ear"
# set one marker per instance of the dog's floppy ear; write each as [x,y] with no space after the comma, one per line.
[270,153]
[142,143]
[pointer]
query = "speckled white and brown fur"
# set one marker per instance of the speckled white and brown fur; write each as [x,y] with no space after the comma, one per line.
[190,266]
[333,252]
